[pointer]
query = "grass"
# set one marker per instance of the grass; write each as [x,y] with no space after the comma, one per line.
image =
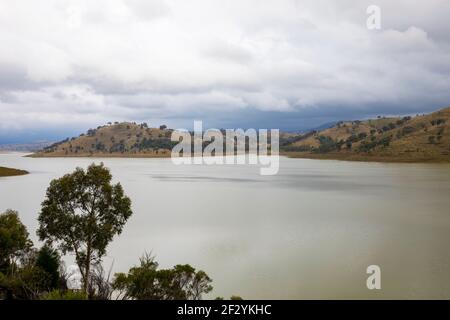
[8,172]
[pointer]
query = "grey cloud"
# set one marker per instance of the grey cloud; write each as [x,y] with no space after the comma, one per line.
[280,63]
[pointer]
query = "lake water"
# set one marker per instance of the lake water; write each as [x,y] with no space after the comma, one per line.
[308,232]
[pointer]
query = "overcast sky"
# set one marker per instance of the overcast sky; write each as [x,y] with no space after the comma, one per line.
[66,66]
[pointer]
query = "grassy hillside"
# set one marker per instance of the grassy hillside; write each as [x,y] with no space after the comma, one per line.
[119,139]
[409,139]
[7,172]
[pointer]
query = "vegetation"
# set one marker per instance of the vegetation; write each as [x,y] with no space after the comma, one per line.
[25,272]
[146,282]
[81,214]
[155,144]
[118,139]
[64,295]
[14,240]
[408,139]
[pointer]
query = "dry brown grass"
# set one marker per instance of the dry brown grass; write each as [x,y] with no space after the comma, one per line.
[108,136]
[410,139]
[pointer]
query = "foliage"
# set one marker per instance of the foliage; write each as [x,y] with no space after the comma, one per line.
[436,122]
[13,238]
[81,214]
[29,278]
[408,130]
[48,260]
[146,282]
[65,295]
[327,144]
[148,143]
[368,146]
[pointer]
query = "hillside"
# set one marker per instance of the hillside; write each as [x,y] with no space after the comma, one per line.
[406,139]
[24,147]
[118,139]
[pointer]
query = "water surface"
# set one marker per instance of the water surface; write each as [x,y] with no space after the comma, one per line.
[308,232]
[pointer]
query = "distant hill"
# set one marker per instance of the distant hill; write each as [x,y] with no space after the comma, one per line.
[409,139]
[118,139]
[25,147]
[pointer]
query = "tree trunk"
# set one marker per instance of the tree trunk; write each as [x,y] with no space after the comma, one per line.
[87,271]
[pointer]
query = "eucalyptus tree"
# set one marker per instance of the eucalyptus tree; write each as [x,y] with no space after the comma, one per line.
[81,214]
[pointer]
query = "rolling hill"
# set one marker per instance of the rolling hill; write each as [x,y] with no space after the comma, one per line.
[126,139]
[406,139]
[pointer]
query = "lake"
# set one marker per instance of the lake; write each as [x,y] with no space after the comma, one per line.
[309,232]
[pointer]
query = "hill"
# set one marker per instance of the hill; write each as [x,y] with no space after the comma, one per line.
[118,139]
[24,147]
[405,139]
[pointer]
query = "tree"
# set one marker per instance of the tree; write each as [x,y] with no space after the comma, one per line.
[49,261]
[13,238]
[146,282]
[14,244]
[81,213]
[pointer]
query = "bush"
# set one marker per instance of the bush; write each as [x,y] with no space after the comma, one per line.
[408,130]
[146,282]
[48,260]
[436,122]
[163,143]
[65,295]
[326,144]
[362,135]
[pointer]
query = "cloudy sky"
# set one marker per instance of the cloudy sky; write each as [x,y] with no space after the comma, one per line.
[66,65]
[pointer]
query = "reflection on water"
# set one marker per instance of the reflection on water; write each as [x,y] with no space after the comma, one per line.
[308,232]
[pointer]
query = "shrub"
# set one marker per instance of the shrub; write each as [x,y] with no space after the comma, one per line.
[147,282]
[65,295]
[327,144]
[408,130]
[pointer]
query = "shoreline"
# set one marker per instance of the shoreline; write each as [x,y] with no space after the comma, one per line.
[10,172]
[361,158]
[291,155]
